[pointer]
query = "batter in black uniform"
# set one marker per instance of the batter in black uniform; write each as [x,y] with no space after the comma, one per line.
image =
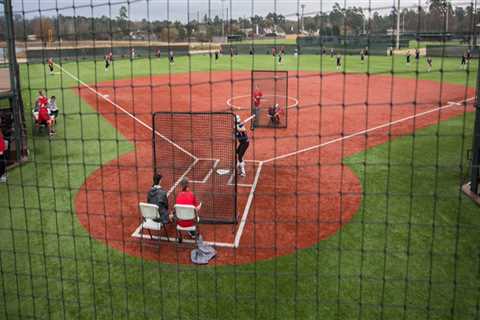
[362,55]
[417,54]
[243,144]
[339,62]
[408,57]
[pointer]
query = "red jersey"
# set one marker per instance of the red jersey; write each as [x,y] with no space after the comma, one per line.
[187,198]
[110,56]
[43,115]
[257,96]
[42,101]
[2,143]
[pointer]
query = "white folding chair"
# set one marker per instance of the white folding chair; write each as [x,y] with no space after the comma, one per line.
[150,213]
[186,212]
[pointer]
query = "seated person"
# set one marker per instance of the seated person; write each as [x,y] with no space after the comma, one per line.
[186,197]
[274,114]
[42,117]
[158,196]
[41,99]
[53,109]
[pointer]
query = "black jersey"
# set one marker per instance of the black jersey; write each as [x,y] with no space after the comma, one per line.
[241,135]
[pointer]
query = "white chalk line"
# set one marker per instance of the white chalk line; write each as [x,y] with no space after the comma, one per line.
[136,233]
[106,98]
[231,105]
[181,177]
[209,173]
[388,124]
[246,211]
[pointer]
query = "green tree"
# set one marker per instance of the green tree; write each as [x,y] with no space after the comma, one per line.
[122,20]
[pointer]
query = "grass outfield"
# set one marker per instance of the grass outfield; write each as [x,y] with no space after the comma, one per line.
[411,252]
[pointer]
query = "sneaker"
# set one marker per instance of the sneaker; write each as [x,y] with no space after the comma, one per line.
[242,174]
[3,179]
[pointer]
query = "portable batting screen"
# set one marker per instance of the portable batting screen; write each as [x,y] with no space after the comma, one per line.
[269,99]
[200,147]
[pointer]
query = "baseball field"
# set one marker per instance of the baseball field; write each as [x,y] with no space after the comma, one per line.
[354,210]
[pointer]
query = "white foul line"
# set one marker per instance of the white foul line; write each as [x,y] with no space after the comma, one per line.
[449,105]
[246,211]
[181,177]
[106,98]
[239,233]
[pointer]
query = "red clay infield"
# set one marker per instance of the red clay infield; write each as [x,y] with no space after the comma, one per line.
[300,199]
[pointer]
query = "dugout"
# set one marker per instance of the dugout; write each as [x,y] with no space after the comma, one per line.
[81,51]
[377,44]
[11,102]
[445,50]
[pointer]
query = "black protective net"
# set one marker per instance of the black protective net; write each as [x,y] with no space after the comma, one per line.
[201,148]
[356,203]
[270,101]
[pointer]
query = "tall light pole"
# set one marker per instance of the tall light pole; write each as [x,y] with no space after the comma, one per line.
[398,25]
[445,3]
[303,22]
[223,18]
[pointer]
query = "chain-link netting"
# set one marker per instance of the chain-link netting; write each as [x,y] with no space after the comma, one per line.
[358,205]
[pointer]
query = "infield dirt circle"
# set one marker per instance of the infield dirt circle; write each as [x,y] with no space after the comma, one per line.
[300,199]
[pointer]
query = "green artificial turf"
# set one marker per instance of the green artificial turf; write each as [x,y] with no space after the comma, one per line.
[411,251]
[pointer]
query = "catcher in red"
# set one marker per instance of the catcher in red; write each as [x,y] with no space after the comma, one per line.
[274,114]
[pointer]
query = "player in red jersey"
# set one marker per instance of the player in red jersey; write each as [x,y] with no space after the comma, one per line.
[257,96]
[41,100]
[256,101]
[50,65]
[43,117]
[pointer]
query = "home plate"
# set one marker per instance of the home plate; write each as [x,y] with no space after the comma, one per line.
[106,96]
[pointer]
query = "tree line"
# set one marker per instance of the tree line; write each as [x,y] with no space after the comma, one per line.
[438,16]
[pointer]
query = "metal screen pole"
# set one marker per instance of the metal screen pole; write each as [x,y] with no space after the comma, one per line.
[16,98]
[476,142]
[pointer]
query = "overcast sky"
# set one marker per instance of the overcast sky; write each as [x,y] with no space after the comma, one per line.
[179,9]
